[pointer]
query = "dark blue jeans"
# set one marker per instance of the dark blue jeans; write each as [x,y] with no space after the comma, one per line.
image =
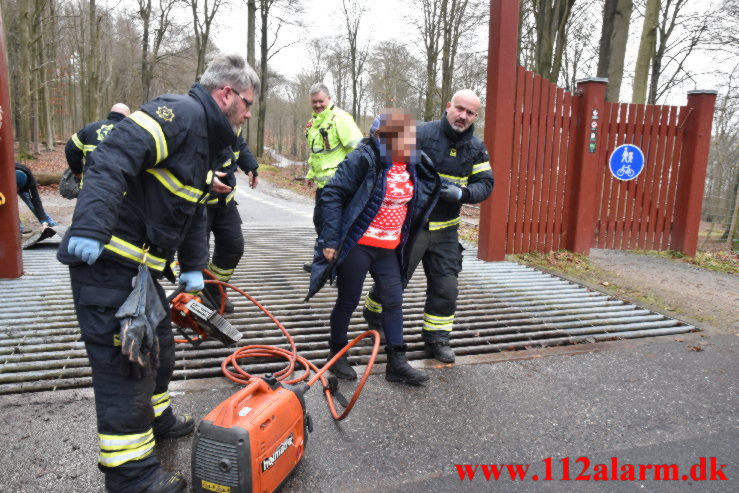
[384,267]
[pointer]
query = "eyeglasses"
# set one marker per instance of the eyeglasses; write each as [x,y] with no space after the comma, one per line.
[247,103]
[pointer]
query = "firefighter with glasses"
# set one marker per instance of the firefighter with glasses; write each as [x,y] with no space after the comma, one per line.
[142,202]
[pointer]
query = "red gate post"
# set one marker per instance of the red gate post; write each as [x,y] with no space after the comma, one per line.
[499,115]
[692,175]
[11,265]
[582,185]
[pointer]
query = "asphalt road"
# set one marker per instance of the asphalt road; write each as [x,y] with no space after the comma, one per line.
[589,410]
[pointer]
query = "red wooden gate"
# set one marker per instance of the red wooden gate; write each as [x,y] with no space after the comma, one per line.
[550,151]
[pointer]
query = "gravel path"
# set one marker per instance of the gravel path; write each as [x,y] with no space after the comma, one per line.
[706,298]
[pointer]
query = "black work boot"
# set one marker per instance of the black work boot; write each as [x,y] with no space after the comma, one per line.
[167,482]
[215,294]
[341,369]
[183,425]
[398,369]
[307,267]
[440,350]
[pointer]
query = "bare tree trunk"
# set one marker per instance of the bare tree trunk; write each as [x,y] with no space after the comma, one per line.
[430,31]
[731,233]
[551,18]
[353,17]
[23,106]
[47,60]
[264,7]
[145,16]
[251,40]
[617,50]
[647,47]
[35,86]
[94,62]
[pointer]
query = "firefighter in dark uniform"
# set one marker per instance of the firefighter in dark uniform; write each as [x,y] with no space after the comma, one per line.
[86,139]
[141,204]
[224,220]
[463,164]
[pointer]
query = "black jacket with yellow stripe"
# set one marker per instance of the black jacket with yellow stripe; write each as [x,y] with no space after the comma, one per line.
[86,139]
[145,183]
[460,159]
[236,156]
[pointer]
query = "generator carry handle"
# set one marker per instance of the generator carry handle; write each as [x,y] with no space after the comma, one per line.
[229,415]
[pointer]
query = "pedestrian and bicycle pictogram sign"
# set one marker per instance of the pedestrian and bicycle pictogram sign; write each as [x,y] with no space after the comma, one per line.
[626,162]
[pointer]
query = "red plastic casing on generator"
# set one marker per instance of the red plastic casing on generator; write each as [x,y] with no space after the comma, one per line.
[251,442]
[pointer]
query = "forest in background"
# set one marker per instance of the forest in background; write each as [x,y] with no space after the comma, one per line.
[70,60]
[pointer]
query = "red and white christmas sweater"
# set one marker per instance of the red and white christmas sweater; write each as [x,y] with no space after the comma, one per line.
[384,230]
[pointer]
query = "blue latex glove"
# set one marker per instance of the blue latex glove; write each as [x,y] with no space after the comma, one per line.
[450,193]
[193,281]
[87,249]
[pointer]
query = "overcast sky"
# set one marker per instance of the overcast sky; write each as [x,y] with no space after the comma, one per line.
[386,19]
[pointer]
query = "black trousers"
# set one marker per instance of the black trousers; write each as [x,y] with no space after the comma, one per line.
[225,224]
[441,255]
[317,212]
[384,267]
[129,411]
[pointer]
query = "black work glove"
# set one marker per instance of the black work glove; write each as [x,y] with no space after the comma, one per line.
[139,351]
[139,315]
[450,193]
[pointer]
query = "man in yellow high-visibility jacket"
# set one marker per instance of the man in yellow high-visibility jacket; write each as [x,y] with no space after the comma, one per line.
[331,134]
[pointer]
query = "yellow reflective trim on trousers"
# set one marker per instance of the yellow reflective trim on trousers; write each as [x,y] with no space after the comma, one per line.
[221,274]
[372,305]
[438,319]
[159,397]
[152,126]
[115,459]
[77,142]
[437,225]
[160,403]
[132,252]
[435,322]
[457,180]
[123,442]
[480,167]
[171,183]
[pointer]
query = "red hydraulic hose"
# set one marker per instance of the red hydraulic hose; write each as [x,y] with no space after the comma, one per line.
[239,375]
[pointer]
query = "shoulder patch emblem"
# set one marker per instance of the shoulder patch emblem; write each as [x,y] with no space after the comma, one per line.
[165,113]
[103,131]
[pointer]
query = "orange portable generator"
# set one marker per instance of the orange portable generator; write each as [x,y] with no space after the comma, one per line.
[253,440]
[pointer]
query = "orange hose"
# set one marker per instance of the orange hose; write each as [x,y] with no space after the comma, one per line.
[241,376]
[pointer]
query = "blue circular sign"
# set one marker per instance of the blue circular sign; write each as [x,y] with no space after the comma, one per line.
[626,162]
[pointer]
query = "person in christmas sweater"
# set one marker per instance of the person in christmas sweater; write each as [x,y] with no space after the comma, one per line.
[373,209]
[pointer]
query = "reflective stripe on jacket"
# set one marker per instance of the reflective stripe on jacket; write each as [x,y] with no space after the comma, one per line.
[145,181]
[460,159]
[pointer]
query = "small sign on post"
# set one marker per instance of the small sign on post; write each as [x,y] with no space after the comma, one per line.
[626,162]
